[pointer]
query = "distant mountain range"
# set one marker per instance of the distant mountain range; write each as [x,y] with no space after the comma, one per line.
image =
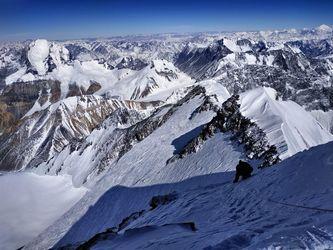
[146,111]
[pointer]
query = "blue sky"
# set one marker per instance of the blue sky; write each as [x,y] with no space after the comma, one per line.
[62,19]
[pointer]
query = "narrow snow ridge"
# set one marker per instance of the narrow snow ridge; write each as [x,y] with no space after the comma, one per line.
[287,125]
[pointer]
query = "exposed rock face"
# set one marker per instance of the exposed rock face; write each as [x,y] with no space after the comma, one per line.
[4,72]
[131,63]
[203,61]
[7,119]
[17,99]
[162,200]
[94,87]
[311,93]
[247,133]
[75,90]
[48,131]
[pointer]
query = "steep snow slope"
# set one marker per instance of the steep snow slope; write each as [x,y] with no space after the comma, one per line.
[30,203]
[288,205]
[105,147]
[287,125]
[144,159]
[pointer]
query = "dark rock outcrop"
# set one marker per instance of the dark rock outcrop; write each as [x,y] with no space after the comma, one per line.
[162,200]
[245,132]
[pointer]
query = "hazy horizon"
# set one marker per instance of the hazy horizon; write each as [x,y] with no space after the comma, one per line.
[61,20]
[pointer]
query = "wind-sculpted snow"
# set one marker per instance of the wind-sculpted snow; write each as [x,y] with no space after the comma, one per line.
[324,118]
[287,206]
[286,124]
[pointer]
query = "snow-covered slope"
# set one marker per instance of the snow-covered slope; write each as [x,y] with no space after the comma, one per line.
[160,150]
[158,79]
[158,76]
[285,206]
[287,125]
[120,111]
[30,203]
[107,145]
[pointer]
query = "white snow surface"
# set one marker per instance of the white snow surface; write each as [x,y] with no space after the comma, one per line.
[30,203]
[124,82]
[287,125]
[260,213]
[325,118]
[15,76]
[38,52]
[145,164]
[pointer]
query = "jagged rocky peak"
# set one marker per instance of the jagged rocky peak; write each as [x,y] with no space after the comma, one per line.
[227,54]
[131,63]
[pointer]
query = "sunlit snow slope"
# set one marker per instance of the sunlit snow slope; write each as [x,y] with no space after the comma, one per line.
[146,162]
[287,125]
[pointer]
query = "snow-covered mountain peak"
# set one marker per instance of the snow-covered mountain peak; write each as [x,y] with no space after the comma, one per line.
[38,52]
[324,28]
